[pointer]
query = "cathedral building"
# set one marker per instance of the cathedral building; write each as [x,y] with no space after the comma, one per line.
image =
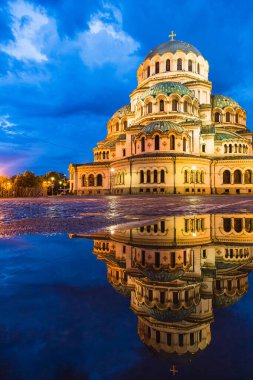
[174,137]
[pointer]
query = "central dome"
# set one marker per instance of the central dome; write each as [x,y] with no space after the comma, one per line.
[173,47]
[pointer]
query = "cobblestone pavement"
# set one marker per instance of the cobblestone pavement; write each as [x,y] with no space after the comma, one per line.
[86,214]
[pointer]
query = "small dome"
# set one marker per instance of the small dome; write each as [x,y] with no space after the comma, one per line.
[167,88]
[168,315]
[162,126]
[173,47]
[125,110]
[222,101]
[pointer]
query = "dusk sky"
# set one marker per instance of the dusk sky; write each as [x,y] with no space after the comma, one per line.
[67,65]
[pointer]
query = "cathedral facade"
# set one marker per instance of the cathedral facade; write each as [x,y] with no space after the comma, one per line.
[174,137]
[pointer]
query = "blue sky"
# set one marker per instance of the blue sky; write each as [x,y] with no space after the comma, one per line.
[67,65]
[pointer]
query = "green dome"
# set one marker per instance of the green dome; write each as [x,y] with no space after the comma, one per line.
[222,101]
[168,88]
[125,110]
[162,126]
[172,47]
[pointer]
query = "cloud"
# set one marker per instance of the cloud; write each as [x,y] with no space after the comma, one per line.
[7,127]
[33,32]
[105,41]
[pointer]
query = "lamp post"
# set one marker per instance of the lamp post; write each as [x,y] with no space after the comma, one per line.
[64,184]
[194,177]
[111,171]
[60,183]
[52,184]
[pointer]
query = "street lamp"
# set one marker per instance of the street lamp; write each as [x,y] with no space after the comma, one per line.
[194,177]
[52,181]
[60,183]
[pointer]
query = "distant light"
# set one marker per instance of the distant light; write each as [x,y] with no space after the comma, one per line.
[52,178]
[112,169]
[194,234]
[194,168]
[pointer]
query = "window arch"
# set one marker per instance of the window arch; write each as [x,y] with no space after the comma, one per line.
[185,106]
[141,176]
[143,144]
[230,148]
[155,176]
[202,177]
[125,124]
[248,176]
[203,148]
[198,68]
[190,65]
[91,180]
[186,176]
[162,176]
[227,224]
[157,142]
[184,144]
[148,176]
[226,177]
[228,117]
[149,106]
[148,71]
[161,105]
[83,180]
[117,127]
[179,64]
[103,155]
[168,65]
[174,105]
[99,180]
[157,67]
[217,117]
[237,118]
[172,142]
[237,176]
[240,148]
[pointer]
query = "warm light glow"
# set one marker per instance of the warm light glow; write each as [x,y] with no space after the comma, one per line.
[194,234]
[112,169]
[52,178]
[194,168]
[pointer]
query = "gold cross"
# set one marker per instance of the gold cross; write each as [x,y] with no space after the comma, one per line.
[174,370]
[172,35]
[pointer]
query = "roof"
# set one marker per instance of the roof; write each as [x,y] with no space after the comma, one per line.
[223,101]
[167,88]
[112,143]
[227,136]
[162,126]
[173,47]
[125,110]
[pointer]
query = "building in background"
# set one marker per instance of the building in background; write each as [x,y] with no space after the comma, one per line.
[174,137]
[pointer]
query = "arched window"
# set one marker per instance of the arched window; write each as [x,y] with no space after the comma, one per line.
[174,105]
[217,117]
[91,180]
[227,225]
[203,148]
[103,155]
[226,177]
[186,176]
[125,124]
[107,155]
[248,176]
[83,180]
[225,148]
[148,71]
[190,65]
[237,118]
[161,105]
[238,224]
[184,144]
[149,107]
[172,142]
[157,67]
[230,148]
[249,224]
[228,117]
[202,177]
[235,148]
[148,176]
[237,176]
[99,180]
[162,176]
[143,144]
[240,148]
[167,65]
[157,142]
[117,127]
[198,68]
[185,106]
[179,64]
[141,176]
[155,176]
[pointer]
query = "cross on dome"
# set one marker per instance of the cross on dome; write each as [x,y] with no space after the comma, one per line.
[172,35]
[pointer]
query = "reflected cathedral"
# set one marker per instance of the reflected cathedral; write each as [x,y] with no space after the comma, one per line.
[176,271]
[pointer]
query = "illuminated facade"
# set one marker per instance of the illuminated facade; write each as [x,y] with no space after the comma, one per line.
[174,137]
[176,272]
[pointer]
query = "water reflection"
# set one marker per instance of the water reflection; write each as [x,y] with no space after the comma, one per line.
[176,271]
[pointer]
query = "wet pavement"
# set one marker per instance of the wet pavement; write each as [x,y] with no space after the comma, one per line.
[86,214]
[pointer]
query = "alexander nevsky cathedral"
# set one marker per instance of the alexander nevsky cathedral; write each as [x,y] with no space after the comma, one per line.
[174,137]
